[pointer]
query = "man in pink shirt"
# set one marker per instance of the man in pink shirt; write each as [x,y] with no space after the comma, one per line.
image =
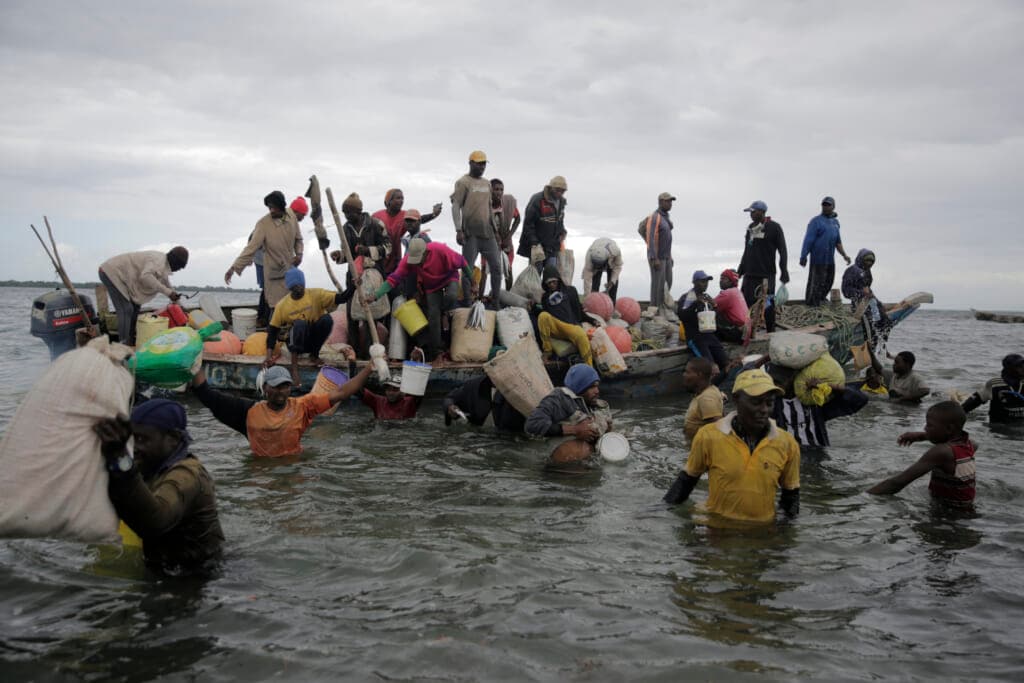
[393,218]
[731,307]
[437,270]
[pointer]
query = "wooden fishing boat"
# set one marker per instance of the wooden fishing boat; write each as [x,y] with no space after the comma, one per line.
[997,317]
[652,373]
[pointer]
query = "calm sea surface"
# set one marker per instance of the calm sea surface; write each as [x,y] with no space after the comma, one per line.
[414,552]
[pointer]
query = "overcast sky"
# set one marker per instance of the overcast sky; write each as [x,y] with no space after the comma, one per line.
[140,125]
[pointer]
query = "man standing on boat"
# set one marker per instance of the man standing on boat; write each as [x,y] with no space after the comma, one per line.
[746,456]
[393,218]
[134,278]
[656,230]
[544,224]
[278,235]
[471,213]
[763,240]
[821,242]
[505,218]
[603,257]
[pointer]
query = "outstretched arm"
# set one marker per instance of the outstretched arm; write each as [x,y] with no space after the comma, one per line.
[349,388]
[939,456]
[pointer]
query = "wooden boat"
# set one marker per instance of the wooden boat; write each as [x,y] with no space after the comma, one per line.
[649,374]
[997,317]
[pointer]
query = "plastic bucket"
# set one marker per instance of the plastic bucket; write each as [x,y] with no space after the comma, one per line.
[243,320]
[411,316]
[706,321]
[613,447]
[330,379]
[147,327]
[414,378]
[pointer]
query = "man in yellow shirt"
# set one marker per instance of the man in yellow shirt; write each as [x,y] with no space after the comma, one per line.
[746,457]
[706,406]
[304,318]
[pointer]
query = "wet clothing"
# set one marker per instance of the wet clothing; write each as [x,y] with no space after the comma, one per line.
[1006,395]
[807,423]
[174,513]
[543,224]
[472,197]
[564,406]
[281,241]
[271,433]
[403,409]
[473,398]
[742,483]
[707,405]
[958,488]
[909,384]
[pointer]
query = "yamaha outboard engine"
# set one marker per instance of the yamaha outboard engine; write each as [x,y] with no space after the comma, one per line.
[55,317]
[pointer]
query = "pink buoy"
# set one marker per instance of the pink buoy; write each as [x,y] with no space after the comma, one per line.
[629,309]
[620,337]
[229,343]
[339,333]
[599,304]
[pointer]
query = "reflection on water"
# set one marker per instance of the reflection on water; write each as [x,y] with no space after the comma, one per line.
[410,551]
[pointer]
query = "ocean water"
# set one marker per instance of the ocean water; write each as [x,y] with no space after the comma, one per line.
[415,552]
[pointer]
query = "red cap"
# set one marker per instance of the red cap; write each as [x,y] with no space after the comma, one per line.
[731,275]
[299,205]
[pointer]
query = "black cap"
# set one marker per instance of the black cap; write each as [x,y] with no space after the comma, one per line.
[1012,361]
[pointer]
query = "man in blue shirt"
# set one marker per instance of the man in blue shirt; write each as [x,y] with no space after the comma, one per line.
[820,243]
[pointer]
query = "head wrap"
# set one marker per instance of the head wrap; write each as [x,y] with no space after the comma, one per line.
[294,277]
[389,194]
[167,416]
[177,258]
[299,205]
[354,201]
[275,199]
[731,275]
[579,377]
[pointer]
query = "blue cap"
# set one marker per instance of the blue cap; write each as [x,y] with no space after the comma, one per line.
[294,277]
[829,201]
[756,206]
[580,377]
[700,275]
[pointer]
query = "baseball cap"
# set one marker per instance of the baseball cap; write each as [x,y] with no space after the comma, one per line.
[829,201]
[1012,361]
[478,156]
[756,206]
[754,383]
[558,182]
[417,248]
[701,275]
[394,381]
[412,215]
[666,195]
[276,376]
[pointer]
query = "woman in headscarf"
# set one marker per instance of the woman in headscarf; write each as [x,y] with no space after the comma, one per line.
[857,281]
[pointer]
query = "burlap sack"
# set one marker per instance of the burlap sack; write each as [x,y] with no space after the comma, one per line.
[519,375]
[471,345]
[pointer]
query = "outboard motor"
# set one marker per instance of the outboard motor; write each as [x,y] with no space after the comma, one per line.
[55,317]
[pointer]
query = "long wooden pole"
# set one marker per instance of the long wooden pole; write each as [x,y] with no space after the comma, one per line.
[370,322]
[59,265]
[317,214]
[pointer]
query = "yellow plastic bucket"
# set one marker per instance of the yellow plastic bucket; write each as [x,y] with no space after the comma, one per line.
[330,379]
[147,327]
[411,316]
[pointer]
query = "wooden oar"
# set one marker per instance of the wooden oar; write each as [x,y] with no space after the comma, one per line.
[317,214]
[59,265]
[370,322]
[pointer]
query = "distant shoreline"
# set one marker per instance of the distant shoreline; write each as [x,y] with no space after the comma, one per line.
[89,286]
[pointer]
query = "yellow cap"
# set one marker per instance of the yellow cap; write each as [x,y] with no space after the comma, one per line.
[478,156]
[754,383]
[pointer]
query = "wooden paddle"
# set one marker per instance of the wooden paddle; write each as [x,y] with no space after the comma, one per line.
[317,214]
[59,265]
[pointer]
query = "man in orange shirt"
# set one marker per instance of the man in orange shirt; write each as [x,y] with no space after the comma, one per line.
[275,426]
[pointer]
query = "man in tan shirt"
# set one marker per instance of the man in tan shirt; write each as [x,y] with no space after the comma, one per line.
[471,213]
[278,235]
[134,278]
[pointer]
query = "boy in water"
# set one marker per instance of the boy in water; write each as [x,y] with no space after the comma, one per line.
[394,404]
[950,460]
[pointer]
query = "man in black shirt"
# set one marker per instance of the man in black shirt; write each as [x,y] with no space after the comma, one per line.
[1005,392]
[764,238]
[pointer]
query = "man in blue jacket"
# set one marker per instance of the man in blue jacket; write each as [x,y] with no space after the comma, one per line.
[820,243]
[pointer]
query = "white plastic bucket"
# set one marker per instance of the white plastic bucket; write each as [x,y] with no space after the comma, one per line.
[613,447]
[243,320]
[414,378]
[706,321]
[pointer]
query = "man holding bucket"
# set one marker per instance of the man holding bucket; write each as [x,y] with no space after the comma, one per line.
[436,269]
[696,311]
[304,318]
